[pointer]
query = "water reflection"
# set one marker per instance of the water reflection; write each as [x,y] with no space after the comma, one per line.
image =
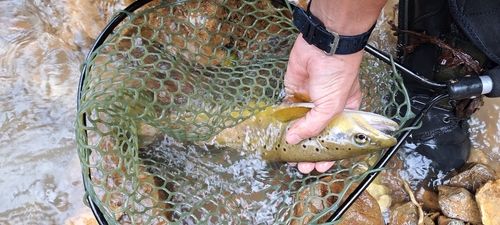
[41,48]
[485,131]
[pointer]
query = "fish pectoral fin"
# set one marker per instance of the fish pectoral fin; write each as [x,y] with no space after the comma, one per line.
[289,114]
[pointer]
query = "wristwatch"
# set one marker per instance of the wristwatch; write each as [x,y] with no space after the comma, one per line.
[315,33]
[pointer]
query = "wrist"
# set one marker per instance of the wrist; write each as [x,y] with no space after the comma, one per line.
[315,33]
[347,17]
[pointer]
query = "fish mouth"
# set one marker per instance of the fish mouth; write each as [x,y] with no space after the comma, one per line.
[379,122]
[384,125]
[382,128]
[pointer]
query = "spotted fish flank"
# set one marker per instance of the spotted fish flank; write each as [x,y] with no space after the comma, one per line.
[351,134]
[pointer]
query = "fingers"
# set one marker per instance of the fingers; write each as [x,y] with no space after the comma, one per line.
[329,97]
[323,166]
[310,125]
[307,167]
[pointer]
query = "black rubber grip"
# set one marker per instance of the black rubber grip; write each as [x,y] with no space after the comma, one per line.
[465,87]
[494,74]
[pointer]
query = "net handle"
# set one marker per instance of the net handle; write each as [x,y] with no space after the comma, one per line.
[383,57]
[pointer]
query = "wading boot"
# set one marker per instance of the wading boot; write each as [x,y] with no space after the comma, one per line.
[442,143]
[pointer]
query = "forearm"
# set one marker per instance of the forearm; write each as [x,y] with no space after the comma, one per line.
[347,17]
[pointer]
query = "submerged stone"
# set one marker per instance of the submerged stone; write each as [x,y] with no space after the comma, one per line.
[443,220]
[364,211]
[431,218]
[458,203]
[406,214]
[472,176]
[430,201]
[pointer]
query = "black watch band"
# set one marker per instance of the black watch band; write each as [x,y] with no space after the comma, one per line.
[315,33]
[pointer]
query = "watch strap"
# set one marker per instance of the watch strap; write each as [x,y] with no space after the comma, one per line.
[315,33]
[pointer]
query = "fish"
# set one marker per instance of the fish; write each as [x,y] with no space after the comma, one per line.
[352,133]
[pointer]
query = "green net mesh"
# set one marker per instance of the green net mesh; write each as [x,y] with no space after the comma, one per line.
[178,72]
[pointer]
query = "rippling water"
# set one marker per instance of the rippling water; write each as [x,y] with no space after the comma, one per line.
[485,134]
[42,45]
[41,48]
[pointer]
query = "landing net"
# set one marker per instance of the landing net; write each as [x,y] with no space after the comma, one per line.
[175,73]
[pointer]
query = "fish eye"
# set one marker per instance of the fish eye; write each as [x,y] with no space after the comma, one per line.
[361,139]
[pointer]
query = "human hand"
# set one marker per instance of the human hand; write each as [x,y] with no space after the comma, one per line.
[330,81]
[332,84]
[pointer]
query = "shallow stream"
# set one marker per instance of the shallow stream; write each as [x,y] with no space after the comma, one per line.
[42,44]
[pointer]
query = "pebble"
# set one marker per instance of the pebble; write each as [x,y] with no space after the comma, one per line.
[472,176]
[381,194]
[430,201]
[365,210]
[406,214]
[458,203]
[488,200]
[443,220]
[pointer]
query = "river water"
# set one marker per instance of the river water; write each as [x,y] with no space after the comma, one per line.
[42,44]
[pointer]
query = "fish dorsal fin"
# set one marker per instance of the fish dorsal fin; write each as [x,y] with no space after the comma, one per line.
[291,113]
[299,97]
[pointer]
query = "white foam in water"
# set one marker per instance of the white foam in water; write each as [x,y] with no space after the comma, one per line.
[241,184]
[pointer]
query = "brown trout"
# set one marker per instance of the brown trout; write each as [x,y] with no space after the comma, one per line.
[351,134]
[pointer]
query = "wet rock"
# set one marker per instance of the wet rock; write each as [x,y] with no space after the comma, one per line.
[392,180]
[431,218]
[406,214]
[430,201]
[381,194]
[428,221]
[458,203]
[443,220]
[488,199]
[472,176]
[478,156]
[365,210]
